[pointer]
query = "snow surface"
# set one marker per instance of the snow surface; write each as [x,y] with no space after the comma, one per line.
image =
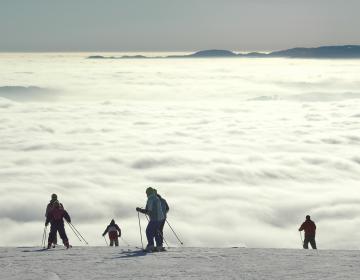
[90,263]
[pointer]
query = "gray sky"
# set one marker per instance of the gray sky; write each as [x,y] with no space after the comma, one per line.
[175,25]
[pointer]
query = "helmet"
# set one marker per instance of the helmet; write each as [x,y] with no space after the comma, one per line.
[307,217]
[54,196]
[149,190]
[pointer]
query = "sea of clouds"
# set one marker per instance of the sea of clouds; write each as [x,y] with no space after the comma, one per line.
[242,149]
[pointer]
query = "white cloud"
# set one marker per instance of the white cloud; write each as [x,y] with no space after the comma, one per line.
[233,171]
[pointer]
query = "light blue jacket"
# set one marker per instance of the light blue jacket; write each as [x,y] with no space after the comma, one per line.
[153,207]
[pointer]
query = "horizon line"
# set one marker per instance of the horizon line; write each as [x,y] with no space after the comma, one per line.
[168,51]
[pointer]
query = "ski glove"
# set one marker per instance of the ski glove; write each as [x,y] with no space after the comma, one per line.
[141,210]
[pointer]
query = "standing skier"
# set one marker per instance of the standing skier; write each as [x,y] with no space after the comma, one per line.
[153,210]
[49,207]
[310,230]
[165,209]
[55,217]
[113,230]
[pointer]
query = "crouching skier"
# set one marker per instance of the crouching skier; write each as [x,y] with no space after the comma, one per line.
[154,211]
[113,230]
[55,218]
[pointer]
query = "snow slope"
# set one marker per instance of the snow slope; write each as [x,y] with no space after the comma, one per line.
[177,263]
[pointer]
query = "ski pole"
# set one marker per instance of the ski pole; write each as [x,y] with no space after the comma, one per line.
[142,244]
[44,237]
[175,233]
[74,231]
[42,240]
[160,234]
[107,244]
[79,233]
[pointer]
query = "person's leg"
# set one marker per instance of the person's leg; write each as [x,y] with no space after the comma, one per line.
[150,233]
[306,243]
[117,241]
[313,243]
[52,234]
[111,242]
[63,235]
[159,236]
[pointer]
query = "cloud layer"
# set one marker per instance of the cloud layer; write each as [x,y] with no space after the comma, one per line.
[235,172]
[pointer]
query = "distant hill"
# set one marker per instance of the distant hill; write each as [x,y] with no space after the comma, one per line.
[347,51]
[213,53]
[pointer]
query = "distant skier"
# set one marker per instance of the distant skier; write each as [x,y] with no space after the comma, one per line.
[154,211]
[113,230]
[49,207]
[165,209]
[55,217]
[310,230]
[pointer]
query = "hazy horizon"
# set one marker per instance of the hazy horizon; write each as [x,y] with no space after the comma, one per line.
[166,26]
[165,51]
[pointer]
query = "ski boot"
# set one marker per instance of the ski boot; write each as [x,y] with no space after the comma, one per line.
[67,245]
[149,248]
[160,249]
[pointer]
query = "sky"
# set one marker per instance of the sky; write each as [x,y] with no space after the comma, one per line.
[176,25]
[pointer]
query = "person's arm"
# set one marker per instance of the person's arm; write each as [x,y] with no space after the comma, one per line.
[67,217]
[141,210]
[166,206]
[119,230]
[302,227]
[47,210]
[149,206]
[47,219]
[147,209]
[106,230]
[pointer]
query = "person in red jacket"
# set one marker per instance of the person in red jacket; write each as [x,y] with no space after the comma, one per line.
[55,217]
[113,230]
[309,228]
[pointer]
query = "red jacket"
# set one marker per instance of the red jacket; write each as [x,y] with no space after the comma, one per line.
[309,227]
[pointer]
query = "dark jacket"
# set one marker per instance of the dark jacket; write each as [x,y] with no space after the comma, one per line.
[50,206]
[56,215]
[309,227]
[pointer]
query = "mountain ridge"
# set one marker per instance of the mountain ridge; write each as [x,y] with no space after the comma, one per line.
[322,52]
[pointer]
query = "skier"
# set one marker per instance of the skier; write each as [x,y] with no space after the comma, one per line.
[310,229]
[153,210]
[55,217]
[165,209]
[49,207]
[113,230]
